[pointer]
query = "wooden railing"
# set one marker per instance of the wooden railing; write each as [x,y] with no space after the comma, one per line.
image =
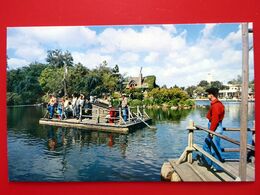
[187,154]
[132,116]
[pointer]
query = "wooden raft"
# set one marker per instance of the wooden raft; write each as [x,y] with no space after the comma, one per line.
[93,125]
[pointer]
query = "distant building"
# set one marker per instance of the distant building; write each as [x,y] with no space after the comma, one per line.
[137,82]
[234,92]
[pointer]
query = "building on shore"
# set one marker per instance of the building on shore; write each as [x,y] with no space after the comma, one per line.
[234,92]
[141,82]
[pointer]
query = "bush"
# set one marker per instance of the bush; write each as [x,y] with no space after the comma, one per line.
[173,102]
[135,102]
[138,95]
[116,102]
[148,102]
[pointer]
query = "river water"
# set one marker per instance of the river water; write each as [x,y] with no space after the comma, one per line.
[44,153]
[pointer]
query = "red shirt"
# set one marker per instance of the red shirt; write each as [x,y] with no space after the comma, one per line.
[215,114]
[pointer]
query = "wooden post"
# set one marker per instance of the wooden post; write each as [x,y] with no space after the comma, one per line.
[129,113]
[244,104]
[120,115]
[98,113]
[190,140]
[80,113]
[138,111]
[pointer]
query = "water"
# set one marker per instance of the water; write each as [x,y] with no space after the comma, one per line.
[45,153]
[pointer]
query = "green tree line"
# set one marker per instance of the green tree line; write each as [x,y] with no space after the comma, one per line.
[33,83]
[59,76]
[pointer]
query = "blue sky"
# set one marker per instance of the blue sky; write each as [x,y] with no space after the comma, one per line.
[176,54]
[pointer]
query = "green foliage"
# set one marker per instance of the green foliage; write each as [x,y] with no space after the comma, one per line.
[58,59]
[23,86]
[203,84]
[190,90]
[51,80]
[116,102]
[135,102]
[151,81]
[170,97]
[14,99]
[217,84]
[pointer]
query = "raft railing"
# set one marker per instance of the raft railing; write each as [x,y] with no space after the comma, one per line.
[102,113]
[192,147]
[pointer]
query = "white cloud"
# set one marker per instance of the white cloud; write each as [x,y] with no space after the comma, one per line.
[152,57]
[148,39]
[14,63]
[170,27]
[161,50]
[90,60]
[64,37]
[206,32]
[128,58]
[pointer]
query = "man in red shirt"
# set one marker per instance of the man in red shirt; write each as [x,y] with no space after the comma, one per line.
[215,116]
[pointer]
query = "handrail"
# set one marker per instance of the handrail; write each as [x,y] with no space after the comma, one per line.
[226,167]
[237,129]
[250,147]
[187,153]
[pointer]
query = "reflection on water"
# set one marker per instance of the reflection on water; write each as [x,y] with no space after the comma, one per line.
[45,153]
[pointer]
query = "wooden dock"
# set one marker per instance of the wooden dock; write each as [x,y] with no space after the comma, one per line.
[93,125]
[186,167]
[192,172]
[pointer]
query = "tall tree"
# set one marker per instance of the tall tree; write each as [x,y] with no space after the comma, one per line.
[203,84]
[217,84]
[59,59]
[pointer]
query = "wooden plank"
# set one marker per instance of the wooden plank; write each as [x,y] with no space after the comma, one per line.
[250,170]
[237,129]
[204,173]
[230,150]
[227,168]
[185,172]
[210,175]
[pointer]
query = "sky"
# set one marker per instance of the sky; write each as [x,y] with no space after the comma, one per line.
[181,55]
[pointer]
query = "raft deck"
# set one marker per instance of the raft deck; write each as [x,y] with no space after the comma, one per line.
[93,125]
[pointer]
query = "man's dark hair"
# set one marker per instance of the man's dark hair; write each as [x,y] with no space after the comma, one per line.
[213,91]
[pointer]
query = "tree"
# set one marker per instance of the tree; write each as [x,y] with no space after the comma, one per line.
[203,84]
[200,91]
[190,90]
[58,59]
[115,70]
[217,84]
[252,85]
[51,80]
[23,86]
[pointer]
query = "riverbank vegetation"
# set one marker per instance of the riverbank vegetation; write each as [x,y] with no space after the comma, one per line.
[59,75]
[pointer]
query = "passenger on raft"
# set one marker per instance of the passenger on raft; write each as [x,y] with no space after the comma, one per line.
[51,106]
[124,105]
[60,108]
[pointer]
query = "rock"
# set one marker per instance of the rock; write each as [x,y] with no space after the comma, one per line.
[166,171]
[174,107]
